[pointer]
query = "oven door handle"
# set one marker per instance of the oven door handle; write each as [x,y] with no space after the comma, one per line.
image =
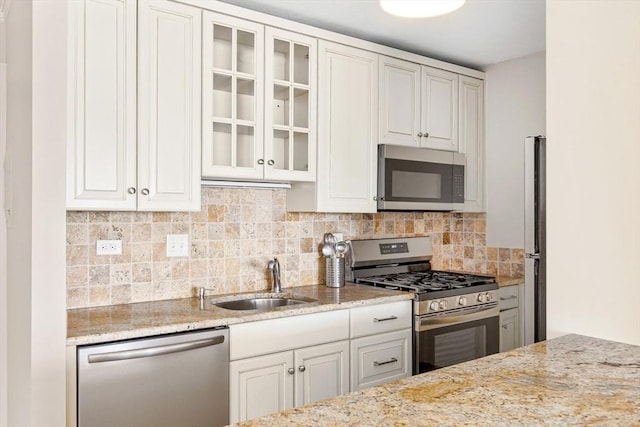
[432,322]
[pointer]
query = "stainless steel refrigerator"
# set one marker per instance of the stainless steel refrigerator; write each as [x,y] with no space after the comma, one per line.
[535,266]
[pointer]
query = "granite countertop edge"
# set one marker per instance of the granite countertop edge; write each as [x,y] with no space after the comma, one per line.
[96,325]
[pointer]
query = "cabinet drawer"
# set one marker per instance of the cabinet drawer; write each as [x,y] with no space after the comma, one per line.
[375,319]
[509,297]
[380,358]
[286,333]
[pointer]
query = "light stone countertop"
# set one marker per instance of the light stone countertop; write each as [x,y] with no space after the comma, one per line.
[571,380]
[124,321]
[509,280]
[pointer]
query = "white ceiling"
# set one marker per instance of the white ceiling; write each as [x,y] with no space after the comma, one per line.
[481,33]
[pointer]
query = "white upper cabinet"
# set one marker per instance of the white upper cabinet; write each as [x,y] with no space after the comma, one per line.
[347,131]
[290,99]
[169,106]
[101,146]
[418,105]
[123,152]
[232,93]
[439,120]
[399,102]
[471,132]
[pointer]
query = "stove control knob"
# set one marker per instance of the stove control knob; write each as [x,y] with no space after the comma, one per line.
[433,306]
[489,297]
[443,305]
[462,301]
[481,297]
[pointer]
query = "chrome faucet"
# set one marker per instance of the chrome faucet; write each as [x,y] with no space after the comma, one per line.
[274,266]
[201,292]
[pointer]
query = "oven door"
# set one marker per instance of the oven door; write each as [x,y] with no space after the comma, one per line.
[419,179]
[443,339]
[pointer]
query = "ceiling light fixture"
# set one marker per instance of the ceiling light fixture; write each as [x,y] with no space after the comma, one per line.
[420,8]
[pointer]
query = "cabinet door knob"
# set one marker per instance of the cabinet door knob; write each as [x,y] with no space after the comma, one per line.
[145,191]
[302,368]
[271,162]
[261,161]
[291,371]
[419,134]
[504,326]
[131,190]
[426,135]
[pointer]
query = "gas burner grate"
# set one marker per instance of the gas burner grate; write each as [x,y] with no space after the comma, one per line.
[427,281]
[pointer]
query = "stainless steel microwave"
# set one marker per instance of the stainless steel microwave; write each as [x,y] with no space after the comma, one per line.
[419,179]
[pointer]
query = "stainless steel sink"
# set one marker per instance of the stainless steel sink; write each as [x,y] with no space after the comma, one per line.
[261,303]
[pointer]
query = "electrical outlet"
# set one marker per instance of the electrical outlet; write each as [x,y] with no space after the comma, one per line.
[177,245]
[339,236]
[109,247]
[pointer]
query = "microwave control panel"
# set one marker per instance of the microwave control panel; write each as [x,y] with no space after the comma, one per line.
[458,184]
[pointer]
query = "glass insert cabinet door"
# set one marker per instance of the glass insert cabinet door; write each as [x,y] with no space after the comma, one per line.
[232,107]
[290,106]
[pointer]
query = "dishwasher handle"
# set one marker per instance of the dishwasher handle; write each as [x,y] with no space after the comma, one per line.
[154,351]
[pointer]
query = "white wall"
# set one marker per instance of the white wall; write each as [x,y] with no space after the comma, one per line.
[515,103]
[36,316]
[593,129]
[3,238]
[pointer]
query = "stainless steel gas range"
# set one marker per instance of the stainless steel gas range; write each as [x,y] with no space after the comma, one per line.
[456,315]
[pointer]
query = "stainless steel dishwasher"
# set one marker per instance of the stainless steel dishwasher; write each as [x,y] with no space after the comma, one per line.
[172,380]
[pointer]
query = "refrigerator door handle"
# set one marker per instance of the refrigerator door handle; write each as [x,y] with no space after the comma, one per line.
[529,195]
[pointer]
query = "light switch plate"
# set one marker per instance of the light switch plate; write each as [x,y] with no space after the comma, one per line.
[109,247]
[177,245]
[339,236]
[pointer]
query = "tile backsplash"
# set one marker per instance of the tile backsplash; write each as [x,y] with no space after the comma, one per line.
[235,234]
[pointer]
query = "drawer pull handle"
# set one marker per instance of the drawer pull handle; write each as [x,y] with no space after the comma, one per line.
[384,319]
[392,360]
[508,298]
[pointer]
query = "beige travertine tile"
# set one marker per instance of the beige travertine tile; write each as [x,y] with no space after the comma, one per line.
[99,275]
[97,217]
[77,276]
[141,232]
[121,294]
[141,252]
[99,295]
[236,233]
[74,217]
[77,297]
[141,272]
[77,255]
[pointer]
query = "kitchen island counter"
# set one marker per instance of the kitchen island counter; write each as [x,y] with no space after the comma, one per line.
[570,380]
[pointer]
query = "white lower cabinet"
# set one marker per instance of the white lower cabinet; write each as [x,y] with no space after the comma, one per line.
[511,325]
[260,385]
[509,336]
[322,372]
[286,362]
[266,384]
[380,358]
[381,343]
[290,361]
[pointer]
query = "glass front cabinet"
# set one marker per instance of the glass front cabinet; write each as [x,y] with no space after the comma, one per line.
[290,100]
[257,100]
[232,107]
